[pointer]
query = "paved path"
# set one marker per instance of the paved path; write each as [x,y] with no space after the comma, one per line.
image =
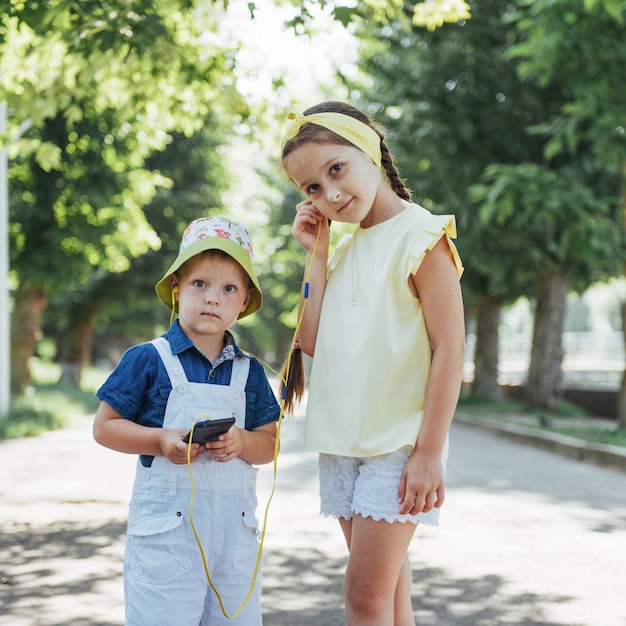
[527,538]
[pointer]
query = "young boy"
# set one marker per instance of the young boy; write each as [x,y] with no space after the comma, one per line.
[148,405]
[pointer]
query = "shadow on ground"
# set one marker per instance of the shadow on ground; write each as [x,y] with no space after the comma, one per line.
[302,587]
[62,562]
[306,590]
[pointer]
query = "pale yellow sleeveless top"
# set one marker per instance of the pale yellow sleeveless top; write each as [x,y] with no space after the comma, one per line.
[372,356]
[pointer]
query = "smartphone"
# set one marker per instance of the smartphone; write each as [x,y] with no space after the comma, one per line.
[209,430]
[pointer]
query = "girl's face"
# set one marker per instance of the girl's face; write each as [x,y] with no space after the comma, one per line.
[212,292]
[341,181]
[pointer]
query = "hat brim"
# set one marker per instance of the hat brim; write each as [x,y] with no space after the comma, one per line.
[233,249]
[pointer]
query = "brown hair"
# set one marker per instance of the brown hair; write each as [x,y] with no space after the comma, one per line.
[311,133]
[292,375]
[318,134]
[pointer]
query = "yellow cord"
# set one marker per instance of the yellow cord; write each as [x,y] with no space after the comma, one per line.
[275,462]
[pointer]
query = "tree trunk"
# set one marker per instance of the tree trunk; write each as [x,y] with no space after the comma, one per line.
[75,349]
[486,352]
[29,302]
[545,375]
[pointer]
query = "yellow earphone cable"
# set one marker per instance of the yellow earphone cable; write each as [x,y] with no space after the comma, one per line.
[275,462]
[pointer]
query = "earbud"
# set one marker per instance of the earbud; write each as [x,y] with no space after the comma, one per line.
[174,292]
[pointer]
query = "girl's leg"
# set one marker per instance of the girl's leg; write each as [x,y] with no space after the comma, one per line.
[403,608]
[377,585]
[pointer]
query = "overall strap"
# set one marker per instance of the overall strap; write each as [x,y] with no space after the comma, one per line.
[239,376]
[172,363]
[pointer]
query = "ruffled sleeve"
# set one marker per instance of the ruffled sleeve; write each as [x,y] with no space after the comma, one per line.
[436,227]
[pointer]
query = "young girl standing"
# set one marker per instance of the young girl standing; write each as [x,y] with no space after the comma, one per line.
[383,319]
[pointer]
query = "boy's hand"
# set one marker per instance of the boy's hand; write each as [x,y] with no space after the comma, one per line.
[228,446]
[175,449]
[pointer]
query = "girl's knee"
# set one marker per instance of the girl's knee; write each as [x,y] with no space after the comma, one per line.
[363,597]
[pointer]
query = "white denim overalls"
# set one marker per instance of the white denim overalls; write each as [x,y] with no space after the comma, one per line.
[164,579]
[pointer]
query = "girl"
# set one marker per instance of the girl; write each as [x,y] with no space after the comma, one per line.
[383,319]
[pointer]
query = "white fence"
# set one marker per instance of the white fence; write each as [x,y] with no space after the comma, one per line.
[591,360]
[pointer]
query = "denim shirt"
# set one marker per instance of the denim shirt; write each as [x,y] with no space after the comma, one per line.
[138,388]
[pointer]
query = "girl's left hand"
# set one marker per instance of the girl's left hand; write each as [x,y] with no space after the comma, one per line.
[227,447]
[421,485]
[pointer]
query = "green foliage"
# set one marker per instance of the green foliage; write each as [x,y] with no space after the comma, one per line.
[459,111]
[597,434]
[104,87]
[49,406]
[453,105]
[104,90]
[127,308]
[30,418]
[432,15]
[567,419]
[428,13]
[145,59]
[478,406]
[64,224]
[572,230]
[588,56]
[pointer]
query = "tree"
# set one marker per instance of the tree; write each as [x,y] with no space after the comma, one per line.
[570,236]
[453,105]
[120,308]
[588,56]
[104,90]
[104,86]
[456,108]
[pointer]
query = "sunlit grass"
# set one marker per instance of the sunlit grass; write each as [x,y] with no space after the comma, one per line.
[611,436]
[567,419]
[48,404]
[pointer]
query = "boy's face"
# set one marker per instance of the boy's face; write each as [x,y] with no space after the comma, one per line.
[212,292]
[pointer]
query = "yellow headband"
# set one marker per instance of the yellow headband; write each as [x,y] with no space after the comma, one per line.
[356,132]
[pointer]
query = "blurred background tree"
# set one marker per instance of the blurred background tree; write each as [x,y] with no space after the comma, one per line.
[146,114]
[128,104]
[467,124]
[580,45]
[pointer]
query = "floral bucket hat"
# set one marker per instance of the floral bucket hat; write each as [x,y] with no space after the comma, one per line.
[214,233]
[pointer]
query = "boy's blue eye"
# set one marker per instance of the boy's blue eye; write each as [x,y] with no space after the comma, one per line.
[229,288]
[199,283]
[312,188]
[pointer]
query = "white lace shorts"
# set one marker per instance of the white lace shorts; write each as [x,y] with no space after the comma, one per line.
[367,486]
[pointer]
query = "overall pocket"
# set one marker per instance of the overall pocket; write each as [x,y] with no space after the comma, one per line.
[248,534]
[157,549]
[248,537]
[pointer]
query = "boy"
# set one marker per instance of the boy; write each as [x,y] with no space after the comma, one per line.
[195,371]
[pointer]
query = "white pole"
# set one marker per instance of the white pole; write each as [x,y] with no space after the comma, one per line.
[5,338]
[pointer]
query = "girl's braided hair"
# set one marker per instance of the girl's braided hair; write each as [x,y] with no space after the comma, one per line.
[293,369]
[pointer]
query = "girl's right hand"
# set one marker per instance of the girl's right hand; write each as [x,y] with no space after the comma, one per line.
[306,224]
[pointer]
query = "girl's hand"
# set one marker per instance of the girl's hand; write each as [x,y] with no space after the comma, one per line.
[175,449]
[306,225]
[228,446]
[421,485]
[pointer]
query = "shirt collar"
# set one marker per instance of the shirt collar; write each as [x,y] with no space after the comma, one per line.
[179,342]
